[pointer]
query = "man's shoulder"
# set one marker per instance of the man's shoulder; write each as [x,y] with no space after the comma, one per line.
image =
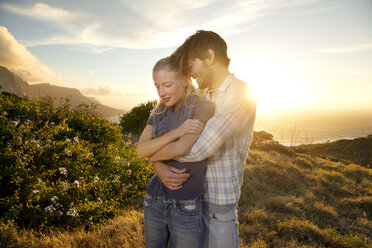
[237,89]
[239,84]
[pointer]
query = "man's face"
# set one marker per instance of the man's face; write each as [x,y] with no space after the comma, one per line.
[201,71]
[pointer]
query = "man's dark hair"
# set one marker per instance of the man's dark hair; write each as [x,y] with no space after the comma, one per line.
[196,46]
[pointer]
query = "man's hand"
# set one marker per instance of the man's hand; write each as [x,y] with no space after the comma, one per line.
[170,176]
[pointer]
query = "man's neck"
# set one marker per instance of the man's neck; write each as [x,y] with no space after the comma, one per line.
[220,74]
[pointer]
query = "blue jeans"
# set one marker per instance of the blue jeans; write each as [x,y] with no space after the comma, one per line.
[220,226]
[177,220]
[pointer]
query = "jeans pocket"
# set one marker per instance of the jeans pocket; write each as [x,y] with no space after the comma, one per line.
[225,218]
[147,200]
[190,208]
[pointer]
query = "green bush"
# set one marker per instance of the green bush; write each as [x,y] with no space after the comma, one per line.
[62,166]
[135,120]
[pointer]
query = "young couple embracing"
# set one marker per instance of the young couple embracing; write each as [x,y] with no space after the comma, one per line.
[198,142]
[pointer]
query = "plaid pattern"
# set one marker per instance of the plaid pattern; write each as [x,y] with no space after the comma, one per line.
[225,141]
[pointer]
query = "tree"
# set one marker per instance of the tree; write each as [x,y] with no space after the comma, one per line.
[135,120]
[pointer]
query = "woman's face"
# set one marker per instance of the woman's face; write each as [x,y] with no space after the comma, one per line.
[171,88]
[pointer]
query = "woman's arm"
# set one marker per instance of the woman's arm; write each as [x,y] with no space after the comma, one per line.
[203,112]
[177,148]
[147,146]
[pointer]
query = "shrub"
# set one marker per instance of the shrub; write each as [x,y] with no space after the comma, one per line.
[264,141]
[63,166]
[135,121]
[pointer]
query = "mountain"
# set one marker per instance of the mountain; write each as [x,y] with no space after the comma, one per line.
[12,83]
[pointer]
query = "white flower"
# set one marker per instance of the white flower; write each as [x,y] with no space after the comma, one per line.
[15,123]
[60,213]
[52,123]
[35,143]
[35,191]
[54,199]
[96,179]
[76,184]
[129,172]
[50,209]
[99,202]
[76,139]
[72,212]
[65,186]
[89,155]
[68,140]
[116,159]
[63,171]
[117,177]
[68,152]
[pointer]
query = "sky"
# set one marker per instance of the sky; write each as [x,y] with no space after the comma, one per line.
[295,54]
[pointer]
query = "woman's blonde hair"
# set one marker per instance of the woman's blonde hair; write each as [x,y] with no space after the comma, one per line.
[166,64]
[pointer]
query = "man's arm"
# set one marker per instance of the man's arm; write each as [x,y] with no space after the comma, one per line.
[232,118]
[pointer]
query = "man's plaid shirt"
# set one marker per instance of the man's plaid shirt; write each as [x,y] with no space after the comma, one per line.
[225,141]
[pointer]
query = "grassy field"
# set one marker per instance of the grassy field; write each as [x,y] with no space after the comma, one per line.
[287,201]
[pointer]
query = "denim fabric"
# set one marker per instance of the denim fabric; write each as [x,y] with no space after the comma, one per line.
[177,220]
[220,227]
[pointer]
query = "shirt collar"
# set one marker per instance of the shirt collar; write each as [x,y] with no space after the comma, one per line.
[225,84]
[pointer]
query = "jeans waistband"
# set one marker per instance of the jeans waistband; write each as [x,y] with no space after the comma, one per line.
[166,199]
[222,209]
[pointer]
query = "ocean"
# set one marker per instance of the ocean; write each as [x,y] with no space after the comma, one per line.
[310,127]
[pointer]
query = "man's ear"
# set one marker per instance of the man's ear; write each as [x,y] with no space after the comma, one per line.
[210,55]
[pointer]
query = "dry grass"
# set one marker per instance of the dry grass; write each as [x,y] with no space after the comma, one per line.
[304,201]
[286,201]
[123,231]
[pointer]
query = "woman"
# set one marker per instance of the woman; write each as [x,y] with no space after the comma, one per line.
[174,214]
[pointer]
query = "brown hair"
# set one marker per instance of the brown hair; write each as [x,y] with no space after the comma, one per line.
[196,46]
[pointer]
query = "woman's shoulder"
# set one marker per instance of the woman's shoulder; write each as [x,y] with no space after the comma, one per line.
[204,110]
[193,99]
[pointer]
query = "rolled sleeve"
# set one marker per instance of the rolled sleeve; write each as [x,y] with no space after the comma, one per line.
[219,128]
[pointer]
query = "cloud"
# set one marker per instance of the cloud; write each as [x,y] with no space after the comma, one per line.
[42,11]
[16,58]
[102,90]
[144,24]
[105,90]
[346,49]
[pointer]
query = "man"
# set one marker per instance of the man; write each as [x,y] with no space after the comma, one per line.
[225,140]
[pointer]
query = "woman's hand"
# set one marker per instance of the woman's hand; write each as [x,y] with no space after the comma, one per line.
[190,126]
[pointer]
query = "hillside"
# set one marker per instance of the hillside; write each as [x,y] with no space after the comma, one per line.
[353,151]
[12,83]
[293,200]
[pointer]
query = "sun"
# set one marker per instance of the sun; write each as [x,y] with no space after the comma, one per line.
[273,86]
